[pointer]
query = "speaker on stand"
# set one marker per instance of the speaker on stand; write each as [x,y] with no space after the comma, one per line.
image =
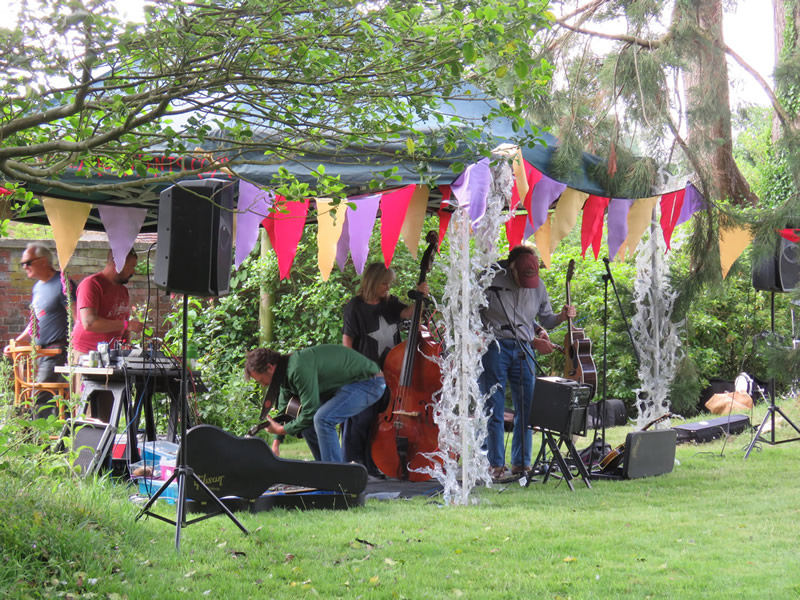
[195,242]
[778,273]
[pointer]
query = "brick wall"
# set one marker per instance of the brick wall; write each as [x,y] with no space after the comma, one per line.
[89,257]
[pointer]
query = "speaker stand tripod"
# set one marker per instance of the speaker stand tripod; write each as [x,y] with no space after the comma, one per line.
[183,472]
[771,409]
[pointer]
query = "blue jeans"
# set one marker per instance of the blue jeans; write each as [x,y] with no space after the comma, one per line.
[503,365]
[350,400]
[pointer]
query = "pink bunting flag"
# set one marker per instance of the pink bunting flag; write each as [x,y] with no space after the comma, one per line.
[394,206]
[671,205]
[252,208]
[617,220]
[444,215]
[359,223]
[285,230]
[544,194]
[122,224]
[592,225]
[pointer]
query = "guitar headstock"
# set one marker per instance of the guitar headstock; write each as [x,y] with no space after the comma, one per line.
[570,269]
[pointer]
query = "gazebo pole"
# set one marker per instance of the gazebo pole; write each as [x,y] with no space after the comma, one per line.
[265,302]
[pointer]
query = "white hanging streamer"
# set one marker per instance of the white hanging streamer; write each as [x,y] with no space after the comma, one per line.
[656,336]
[460,462]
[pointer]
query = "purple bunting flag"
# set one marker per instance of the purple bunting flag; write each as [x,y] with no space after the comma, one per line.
[471,189]
[253,206]
[618,210]
[357,230]
[545,192]
[692,202]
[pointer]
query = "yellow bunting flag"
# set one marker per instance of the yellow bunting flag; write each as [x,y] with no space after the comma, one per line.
[732,242]
[415,218]
[67,219]
[565,216]
[330,221]
[639,218]
[542,237]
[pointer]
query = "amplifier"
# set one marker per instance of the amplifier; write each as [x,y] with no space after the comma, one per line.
[560,405]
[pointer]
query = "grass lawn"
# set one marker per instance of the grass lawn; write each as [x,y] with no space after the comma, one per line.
[718,526]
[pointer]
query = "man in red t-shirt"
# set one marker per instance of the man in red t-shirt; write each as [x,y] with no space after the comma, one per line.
[103,306]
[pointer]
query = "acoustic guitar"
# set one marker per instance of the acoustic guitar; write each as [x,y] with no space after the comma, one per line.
[614,458]
[289,414]
[578,362]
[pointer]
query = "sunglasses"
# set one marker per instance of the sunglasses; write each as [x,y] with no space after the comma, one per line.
[27,263]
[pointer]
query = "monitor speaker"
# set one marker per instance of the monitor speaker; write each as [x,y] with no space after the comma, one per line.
[195,237]
[649,453]
[781,272]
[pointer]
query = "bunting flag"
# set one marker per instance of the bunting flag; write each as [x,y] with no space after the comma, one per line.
[394,206]
[252,208]
[639,218]
[67,219]
[692,202]
[4,191]
[415,219]
[444,215]
[471,189]
[520,188]
[592,224]
[790,235]
[515,229]
[534,176]
[671,206]
[542,237]
[617,220]
[544,194]
[732,242]
[566,215]
[285,228]
[359,223]
[330,222]
[122,225]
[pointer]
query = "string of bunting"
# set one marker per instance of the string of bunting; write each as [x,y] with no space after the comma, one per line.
[345,229]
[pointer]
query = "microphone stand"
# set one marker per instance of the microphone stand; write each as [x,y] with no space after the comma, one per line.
[601,405]
[531,362]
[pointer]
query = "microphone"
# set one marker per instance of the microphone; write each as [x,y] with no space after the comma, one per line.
[497,288]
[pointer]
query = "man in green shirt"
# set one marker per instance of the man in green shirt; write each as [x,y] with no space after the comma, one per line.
[332,383]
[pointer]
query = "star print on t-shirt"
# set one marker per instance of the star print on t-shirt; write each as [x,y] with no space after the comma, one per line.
[383,335]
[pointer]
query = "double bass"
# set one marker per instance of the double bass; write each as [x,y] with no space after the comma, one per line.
[578,363]
[405,431]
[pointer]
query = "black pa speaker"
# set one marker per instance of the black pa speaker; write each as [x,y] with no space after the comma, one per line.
[195,237]
[781,272]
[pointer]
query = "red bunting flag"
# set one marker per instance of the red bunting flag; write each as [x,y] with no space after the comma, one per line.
[515,229]
[394,206]
[4,191]
[285,228]
[444,215]
[594,209]
[534,175]
[671,205]
[790,235]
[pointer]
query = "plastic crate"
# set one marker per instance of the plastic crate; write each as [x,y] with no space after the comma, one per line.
[148,487]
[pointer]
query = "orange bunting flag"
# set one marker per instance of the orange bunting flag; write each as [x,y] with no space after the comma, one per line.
[67,218]
[566,215]
[732,242]
[415,218]
[330,221]
[394,206]
[592,225]
[285,228]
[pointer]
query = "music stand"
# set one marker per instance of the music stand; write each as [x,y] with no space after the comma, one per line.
[182,469]
[772,408]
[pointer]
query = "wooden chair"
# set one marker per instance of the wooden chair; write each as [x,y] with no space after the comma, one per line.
[25,386]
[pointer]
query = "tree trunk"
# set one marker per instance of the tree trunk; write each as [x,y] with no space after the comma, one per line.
[786,18]
[708,106]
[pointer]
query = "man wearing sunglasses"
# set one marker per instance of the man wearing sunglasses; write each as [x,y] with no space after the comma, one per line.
[104,307]
[48,325]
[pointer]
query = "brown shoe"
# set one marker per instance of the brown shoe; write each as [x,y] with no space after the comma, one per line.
[500,474]
[518,470]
